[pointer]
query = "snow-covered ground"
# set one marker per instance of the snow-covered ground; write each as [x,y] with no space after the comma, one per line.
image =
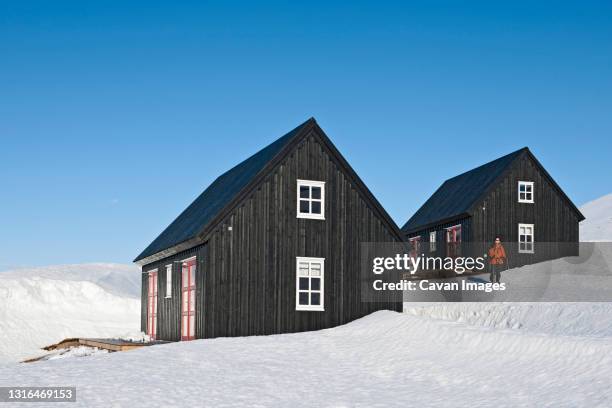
[435,354]
[551,319]
[41,306]
[573,279]
[427,357]
[598,223]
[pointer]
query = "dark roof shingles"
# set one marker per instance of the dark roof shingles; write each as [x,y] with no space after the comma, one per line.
[458,194]
[218,195]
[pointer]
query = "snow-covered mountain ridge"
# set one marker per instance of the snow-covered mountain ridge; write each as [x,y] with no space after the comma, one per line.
[119,279]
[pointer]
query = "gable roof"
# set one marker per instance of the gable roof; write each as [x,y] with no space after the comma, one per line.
[456,196]
[189,228]
[208,204]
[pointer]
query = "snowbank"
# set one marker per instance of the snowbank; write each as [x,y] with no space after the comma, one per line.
[119,279]
[385,359]
[559,319]
[598,223]
[42,306]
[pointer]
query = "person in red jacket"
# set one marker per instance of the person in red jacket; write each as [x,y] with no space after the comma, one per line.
[497,260]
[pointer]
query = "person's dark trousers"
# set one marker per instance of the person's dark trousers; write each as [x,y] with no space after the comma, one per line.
[495,272]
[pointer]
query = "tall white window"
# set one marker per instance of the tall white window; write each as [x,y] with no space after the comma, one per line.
[311,199]
[526,241]
[432,241]
[309,284]
[169,281]
[525,191]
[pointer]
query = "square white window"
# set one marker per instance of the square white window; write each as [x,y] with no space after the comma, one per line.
[311,199]
[526,238]
[432,241]
[525,191]
[309,284]
[168,281]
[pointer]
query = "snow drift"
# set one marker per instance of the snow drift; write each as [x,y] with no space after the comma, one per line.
[558,319]
[41,306]
[598,223]
[118,279]
[385,359]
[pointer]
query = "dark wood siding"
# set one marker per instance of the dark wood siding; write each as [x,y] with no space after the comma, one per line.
[555,222]
[252,272]
[143,303]
[440,229]
[499,213]
[169,309]
[247,268]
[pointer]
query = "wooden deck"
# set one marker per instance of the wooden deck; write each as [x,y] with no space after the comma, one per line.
[112,345]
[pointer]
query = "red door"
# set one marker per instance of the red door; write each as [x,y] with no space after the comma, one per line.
[152,306]
[188,290]
[453,241]
[415,246]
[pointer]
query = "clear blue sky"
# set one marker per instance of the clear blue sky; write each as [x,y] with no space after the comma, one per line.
[104,106]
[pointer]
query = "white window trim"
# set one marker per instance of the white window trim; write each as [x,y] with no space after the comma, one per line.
[168,281]
[454,227]
[191,258]
[526,183]
[525,251]
[309,308]
[311,183]
[432,241]
[184,263]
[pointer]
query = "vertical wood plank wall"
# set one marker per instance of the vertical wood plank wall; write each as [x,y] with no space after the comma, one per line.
[556,224]
[440,230]
[250,284]
[247,276]
[553,218]
[169,309]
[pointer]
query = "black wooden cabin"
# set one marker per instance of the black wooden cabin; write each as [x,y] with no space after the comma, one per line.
[271,246]
[513,197]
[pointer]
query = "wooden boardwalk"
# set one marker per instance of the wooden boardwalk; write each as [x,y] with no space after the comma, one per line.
[112,345]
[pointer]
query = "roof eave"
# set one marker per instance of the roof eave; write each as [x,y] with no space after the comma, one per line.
[209,228]
[437,222]
[165,253]
[379,209]
[203,234]
[581,216]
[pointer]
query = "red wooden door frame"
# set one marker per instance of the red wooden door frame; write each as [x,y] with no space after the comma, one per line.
[152,306]
[415,246]
[453,240]
[188,290]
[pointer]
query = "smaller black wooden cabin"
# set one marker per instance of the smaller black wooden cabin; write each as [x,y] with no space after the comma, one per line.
[271,246]
[513,197]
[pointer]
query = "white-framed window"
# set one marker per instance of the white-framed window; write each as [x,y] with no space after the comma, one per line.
[311,199]
[525,191]
[309,283]
[526,241]
[169,281]
[432,241]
